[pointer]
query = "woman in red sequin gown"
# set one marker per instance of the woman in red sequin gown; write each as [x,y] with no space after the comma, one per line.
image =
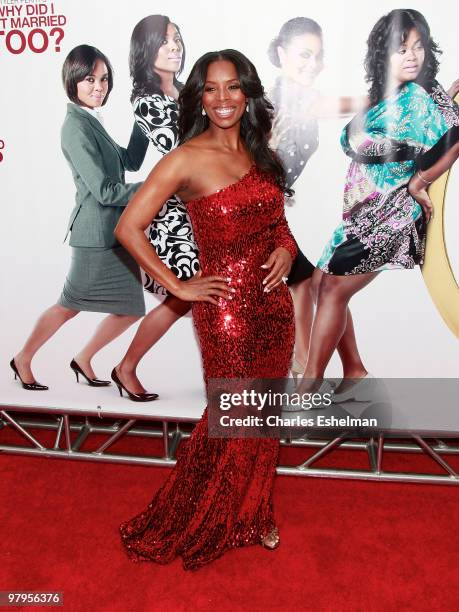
[218,496]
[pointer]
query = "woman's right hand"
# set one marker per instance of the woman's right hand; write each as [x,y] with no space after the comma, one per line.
[417,188]
[201,288]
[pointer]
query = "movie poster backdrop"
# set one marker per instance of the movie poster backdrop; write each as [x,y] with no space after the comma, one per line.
[399,329]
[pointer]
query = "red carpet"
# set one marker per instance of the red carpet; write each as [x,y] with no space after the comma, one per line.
[345,545]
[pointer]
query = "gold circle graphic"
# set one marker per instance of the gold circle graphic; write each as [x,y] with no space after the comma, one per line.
[437,271]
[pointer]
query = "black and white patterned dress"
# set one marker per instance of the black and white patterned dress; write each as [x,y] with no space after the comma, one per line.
[170,232]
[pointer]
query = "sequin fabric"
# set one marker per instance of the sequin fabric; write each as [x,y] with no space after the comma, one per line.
[219,494]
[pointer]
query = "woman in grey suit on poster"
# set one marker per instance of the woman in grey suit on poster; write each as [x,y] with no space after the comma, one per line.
[103,277]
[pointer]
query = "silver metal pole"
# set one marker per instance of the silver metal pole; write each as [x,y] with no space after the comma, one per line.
[115,436]
[429,451]
[323,451]
[25,433]
[380,453]
[372,455]
[59,432]
[67,433]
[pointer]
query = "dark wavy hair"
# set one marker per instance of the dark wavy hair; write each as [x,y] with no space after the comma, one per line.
[385,38]
[146,40]
[294,27]
[78,64]
[255,125]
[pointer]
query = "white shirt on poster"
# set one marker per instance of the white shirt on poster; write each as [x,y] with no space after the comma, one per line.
[95,113]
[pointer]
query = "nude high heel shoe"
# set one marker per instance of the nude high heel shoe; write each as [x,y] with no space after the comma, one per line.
[272,540]
[297,369]
[362,391]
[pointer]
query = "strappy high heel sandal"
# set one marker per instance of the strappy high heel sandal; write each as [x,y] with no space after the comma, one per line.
[363,390]
[272,540]
[297,369]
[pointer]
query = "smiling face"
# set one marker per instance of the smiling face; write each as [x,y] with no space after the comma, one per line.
[406,63]
[223,99]
[302,59]
[169,57]
[91,91]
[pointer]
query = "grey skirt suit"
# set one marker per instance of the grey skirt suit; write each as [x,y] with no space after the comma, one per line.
[103,276]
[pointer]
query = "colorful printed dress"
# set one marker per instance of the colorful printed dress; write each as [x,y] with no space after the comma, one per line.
[170,232]
[383,227]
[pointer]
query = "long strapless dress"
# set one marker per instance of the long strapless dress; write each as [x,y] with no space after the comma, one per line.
[218,495]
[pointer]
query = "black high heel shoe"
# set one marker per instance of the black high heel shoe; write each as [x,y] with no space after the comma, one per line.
[92,382]
[135,397]
[35,386]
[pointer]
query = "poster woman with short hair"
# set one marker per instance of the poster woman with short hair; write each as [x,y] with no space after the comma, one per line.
[103,276]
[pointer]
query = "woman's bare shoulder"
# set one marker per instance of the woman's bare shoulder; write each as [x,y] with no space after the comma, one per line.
[179,167]
[200,143]
[185,152]
[176,160]
[190,153]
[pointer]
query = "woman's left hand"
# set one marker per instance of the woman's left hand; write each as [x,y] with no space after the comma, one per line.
[418,190]
[280,262]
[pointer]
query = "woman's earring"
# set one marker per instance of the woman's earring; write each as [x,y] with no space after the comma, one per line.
[247,108]
[203,112]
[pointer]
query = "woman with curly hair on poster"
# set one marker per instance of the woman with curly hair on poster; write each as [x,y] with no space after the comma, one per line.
[406,138]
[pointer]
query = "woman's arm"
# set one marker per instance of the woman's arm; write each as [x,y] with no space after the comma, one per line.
[80,149]
[136,150]
[280,260]
[326,107]
[169,176]
[283,236]
[421,180]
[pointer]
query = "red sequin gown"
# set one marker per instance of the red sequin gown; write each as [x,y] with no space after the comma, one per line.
[218,495]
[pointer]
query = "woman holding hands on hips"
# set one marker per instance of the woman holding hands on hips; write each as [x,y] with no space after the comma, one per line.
[156,58]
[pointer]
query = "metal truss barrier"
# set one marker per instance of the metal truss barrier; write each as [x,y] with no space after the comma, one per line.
[117,425]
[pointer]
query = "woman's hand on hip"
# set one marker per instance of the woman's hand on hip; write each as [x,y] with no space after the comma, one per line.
[201,288]
[280,263]
[417,188]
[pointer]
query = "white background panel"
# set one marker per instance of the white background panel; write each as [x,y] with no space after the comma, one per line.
[399,331]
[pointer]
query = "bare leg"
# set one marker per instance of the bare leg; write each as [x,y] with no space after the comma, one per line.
[154,325]
[304,312]
[348,351]
[347,346]
[108,329]
[47,325]
[331,318]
